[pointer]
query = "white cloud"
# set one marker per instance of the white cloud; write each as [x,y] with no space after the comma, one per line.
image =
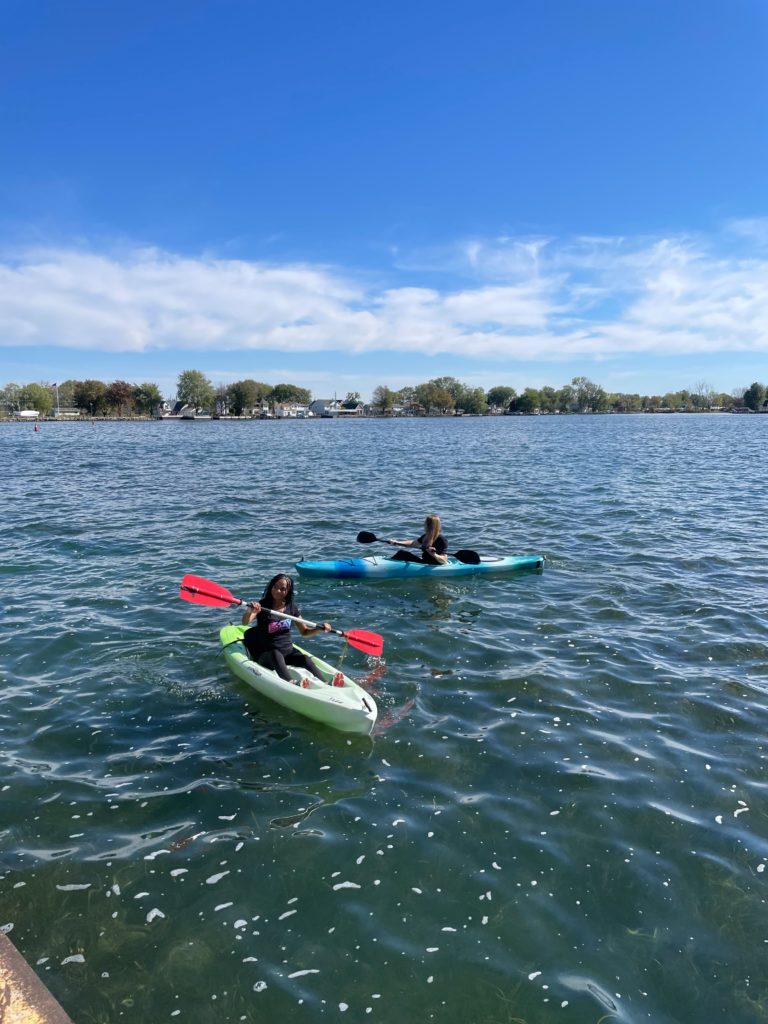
[529,299]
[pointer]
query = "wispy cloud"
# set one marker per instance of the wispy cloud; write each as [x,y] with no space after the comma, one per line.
[503,299]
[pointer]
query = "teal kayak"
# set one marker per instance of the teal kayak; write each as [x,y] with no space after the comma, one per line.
[384,567]
[347,708]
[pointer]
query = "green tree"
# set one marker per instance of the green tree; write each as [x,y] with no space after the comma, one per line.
[589,397]
[352,400]
[473,401]
[193,388]
[405,396]
[528,402]
[147,398]
[290,393]
[36,396]
[500,397]
[66,391]
[566,397]
[453,387]
[9,398]
[433,397]
[119,397]
[624,403]
[547,399]
[383,398]
[245,395]
[754,396]
[89,395]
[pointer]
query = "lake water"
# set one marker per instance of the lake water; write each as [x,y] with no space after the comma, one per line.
[562,814]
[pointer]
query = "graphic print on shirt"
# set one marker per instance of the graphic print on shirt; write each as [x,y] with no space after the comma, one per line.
[278,625]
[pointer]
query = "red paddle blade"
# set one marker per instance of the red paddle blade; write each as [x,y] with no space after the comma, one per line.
[371,643]
[199,590]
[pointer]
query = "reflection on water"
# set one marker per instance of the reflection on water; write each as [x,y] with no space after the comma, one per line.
[559,814]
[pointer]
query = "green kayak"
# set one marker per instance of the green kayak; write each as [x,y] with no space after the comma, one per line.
[347,708]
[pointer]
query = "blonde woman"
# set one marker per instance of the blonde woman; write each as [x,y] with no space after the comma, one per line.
[433,545]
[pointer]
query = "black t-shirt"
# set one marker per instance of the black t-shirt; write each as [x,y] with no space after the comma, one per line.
[440,545]
[269,634]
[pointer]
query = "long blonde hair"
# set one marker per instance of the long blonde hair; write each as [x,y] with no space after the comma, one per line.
[431,530]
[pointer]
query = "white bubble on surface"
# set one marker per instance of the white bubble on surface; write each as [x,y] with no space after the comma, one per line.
[216,878]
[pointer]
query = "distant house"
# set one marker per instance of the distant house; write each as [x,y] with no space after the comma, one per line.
[318,407]
[27,414]
[292,411]
[357,410]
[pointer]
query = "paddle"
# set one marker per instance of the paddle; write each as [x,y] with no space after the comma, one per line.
[199,590]
[469,557]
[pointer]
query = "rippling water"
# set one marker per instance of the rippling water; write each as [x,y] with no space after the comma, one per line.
[562,814]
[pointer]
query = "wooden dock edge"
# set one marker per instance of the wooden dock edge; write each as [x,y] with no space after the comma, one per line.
[24,999]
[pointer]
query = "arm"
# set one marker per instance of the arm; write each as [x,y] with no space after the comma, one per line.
[441,559]
[252,609]
[402,543]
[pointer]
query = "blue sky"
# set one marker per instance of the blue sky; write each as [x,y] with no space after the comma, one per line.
[341,195]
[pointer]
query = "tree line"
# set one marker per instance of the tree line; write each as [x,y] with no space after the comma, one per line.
[441,395]
[448,395]
[119,398]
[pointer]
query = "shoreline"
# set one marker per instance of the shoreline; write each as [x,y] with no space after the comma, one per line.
[88,421]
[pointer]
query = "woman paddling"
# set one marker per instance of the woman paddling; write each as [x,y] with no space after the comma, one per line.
[434,546]
[269,641]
